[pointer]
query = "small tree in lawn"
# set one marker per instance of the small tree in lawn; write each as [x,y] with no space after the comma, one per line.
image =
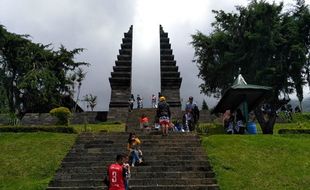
[91,101]
[204,105]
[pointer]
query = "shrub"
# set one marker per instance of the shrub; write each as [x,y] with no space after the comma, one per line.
[63,115]
[210,128]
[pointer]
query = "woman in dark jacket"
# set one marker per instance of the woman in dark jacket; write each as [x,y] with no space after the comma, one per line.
[164,115]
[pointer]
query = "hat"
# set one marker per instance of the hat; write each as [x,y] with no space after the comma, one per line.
[191,97]
[162,98]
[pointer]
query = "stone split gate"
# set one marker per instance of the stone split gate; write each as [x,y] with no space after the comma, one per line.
[121,77]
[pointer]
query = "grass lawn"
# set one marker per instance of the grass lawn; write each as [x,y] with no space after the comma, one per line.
[29,160]
[260,161]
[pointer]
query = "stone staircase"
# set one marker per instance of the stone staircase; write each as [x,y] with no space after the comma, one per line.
[174,162]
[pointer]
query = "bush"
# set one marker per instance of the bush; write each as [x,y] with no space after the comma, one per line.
[63,114]
[209,128]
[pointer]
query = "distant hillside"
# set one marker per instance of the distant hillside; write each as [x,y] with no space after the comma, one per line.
[305,104]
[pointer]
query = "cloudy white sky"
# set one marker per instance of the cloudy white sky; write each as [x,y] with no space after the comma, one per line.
[99,25]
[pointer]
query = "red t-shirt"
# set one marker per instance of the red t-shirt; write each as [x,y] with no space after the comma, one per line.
[116,177]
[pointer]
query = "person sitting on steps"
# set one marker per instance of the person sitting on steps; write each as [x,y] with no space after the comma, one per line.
[135,153]
[144,123]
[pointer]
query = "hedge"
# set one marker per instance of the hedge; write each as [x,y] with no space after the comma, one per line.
[60,129]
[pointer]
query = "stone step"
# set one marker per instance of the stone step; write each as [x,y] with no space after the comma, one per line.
[165,46]
[148,153]
[172,68]
[167,63]
[175,187]
[155,142]
[78,183]
[145,156]
[167,163]
[180,175]
[172,181]
[164,40]
[117,82]
[121,74]
[125,51]
[122,68]
[162,150]
[124,57]
[170,74]
[127,40]
[171,168]
[66,176]
[163,34]
[166,51]
[78,188]
[167,57]
[126,46]
[123,63]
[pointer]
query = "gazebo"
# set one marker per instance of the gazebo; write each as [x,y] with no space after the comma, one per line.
[242,95]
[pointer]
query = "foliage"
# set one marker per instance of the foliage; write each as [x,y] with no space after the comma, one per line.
[91,101]
[210,128]
[29,160]
[35,77]
[279,161]
[269,45]
[63,115]
[262,40]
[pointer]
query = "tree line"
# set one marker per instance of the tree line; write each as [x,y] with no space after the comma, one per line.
[269,43]
[34,77]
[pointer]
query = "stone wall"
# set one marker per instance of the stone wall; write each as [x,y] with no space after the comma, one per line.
[77,118]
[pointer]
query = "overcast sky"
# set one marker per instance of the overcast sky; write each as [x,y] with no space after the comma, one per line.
[99,26]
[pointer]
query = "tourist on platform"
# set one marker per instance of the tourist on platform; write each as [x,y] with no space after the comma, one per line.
[139,102]
[131,102]
[153,101]
[251,125]
[164,115]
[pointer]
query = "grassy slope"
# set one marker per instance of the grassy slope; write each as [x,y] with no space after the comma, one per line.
[29,160]
[260,161]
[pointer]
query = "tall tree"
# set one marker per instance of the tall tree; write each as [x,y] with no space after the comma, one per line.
[204,105]
[80,74]
[265,42]
[35,77]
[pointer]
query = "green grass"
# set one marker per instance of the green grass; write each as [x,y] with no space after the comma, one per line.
[260,161]
[29,160]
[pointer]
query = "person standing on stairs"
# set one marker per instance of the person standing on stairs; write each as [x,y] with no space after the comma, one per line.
[164,115]
[116,174]
[130,102]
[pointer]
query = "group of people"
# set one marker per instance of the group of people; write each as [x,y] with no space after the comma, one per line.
[132,100]
[118,173]
[235,122]
[163,117]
